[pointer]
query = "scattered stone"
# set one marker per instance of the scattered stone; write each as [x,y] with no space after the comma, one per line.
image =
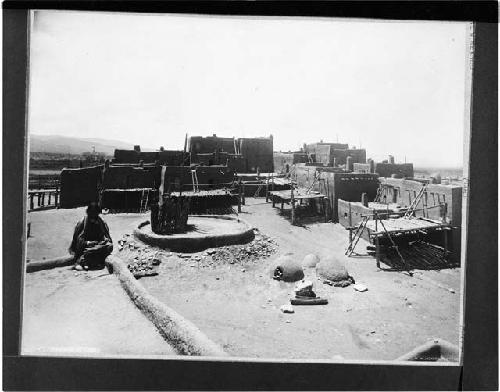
[451,290]
[287,321]
[258,249]
[304,289]
[217,278]
[287,309]
[360,287]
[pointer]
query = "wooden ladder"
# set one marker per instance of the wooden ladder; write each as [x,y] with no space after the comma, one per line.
[316,178]
[357,236]
[395,247]
[194,178]
[413,206]
[258,190]
[144,200]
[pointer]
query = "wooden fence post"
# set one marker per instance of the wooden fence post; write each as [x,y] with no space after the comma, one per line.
[239,196]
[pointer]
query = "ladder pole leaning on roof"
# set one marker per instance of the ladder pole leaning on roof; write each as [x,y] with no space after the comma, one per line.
[414,203]
[396,247]
[356,237]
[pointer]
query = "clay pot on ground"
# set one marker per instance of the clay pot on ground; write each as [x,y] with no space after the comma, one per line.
[287,269]
[310,261]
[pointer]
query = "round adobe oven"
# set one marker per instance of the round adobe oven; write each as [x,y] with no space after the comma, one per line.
[204,231]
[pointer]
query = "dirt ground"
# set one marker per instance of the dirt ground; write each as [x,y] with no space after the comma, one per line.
[80,313]
[238,305]
[240,309]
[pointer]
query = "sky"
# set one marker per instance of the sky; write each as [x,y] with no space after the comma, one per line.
[390,87]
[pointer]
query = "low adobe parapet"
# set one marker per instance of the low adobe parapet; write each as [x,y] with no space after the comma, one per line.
[403,170]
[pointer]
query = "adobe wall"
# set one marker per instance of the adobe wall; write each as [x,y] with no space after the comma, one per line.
[336,185]
[129,177]
[350,186]
[358,155]
[209,177]
[388,169]
[200,144]
[122,201]
[166,157]
[323,154]
[258,153]
[403,191]
[311,148]
[354,209]
[80,186]
[281,159]
[340,156]
[361,167]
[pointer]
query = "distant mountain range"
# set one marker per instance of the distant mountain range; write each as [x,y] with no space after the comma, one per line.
[72,145]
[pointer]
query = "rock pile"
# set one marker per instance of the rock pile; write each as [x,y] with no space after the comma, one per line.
[304,289]
[141,259]
[304,295]
[261,247]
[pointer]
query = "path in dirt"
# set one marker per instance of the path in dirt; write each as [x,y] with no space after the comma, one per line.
[80,313]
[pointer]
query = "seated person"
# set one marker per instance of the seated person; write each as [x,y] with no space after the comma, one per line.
[91,240]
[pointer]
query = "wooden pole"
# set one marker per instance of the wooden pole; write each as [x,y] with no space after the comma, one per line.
[325,208]
[32,203]
[267,188]
[377,251]
[292,202]
[243,193]
[239,196]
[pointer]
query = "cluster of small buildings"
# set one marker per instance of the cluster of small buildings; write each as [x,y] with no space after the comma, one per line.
[354,186]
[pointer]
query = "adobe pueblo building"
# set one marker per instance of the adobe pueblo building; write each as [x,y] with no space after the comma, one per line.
[381,202]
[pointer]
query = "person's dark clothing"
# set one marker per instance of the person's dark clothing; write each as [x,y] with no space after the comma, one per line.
[91,255]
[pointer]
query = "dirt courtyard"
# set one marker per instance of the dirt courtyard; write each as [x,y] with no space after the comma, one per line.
[237,305]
